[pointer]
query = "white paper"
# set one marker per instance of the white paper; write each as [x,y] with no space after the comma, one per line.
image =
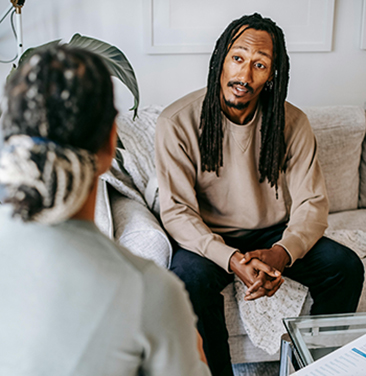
[347,360]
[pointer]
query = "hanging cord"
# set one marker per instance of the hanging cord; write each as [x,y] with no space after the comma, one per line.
[14,32]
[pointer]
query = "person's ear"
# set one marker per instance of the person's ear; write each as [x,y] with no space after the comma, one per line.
[273,75]
[107,151]
[112,141]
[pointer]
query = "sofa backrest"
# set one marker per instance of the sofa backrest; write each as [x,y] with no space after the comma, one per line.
[340,132]
[362,199]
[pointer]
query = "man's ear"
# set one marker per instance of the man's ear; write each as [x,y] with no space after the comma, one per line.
[107,151]
[273,75]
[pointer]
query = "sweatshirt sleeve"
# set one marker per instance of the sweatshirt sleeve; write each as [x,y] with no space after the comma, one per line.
[176,164]
[168,328]
[306,185]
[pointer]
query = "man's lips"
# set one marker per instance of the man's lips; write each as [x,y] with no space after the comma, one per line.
[240,88]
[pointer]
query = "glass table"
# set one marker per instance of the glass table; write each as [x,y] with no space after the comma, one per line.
[309,338]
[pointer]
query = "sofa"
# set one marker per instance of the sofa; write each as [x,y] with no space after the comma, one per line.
[128,205]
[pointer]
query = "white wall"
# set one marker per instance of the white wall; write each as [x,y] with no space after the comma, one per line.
[322,78]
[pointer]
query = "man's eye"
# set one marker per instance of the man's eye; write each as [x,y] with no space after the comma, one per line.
[237,58]
[259,65]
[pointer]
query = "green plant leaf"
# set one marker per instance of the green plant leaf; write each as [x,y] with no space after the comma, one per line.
[115,60]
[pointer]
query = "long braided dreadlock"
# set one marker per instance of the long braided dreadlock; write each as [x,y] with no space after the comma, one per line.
[271,160]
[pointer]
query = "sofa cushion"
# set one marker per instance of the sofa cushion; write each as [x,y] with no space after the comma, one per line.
[340,131]
[348,220]
[136,228]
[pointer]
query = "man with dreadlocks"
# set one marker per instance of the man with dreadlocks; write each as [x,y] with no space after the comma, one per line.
[241,190]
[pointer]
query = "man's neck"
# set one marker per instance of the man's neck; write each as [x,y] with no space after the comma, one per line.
[240,117]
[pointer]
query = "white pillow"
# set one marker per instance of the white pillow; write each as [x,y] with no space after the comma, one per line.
[136,228]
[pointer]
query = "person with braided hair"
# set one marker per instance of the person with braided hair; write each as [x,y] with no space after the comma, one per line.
[72,301]
[241,190]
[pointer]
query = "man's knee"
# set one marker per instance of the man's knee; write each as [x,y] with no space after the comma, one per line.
[354,269]
[345,262]
[202,277]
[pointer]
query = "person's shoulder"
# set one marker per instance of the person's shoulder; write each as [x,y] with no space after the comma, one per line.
[191,102]
[296,120]
[294,114]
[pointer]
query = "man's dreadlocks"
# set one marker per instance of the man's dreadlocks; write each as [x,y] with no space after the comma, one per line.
[272,98]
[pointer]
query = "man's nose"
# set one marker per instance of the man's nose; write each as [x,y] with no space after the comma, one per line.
[246,73]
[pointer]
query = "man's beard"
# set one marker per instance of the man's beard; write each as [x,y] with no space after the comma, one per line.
[237,106]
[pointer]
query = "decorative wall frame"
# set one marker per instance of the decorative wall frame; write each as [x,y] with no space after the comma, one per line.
[363,27]
[192,26]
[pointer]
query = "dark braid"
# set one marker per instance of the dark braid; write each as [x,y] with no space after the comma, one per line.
[64,94]
[59,112]
[271,160]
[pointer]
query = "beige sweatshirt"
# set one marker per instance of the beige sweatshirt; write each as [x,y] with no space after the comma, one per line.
[198,207]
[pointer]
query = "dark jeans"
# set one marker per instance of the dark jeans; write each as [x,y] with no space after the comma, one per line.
[333,273]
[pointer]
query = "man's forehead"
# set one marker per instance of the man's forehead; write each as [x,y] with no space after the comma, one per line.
[260,40]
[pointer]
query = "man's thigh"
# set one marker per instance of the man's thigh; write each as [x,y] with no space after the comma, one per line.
[326,258]
[334,275]
[203,278]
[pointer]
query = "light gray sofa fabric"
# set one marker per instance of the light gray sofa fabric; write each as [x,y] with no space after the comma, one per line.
[136,228]
[340,133]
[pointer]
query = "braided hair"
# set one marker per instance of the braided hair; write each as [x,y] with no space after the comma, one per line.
[272,98]
[58,113]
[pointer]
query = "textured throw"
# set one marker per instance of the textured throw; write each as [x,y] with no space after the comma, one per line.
[138,138]
[262,318]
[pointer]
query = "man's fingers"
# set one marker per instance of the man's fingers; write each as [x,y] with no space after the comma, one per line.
[272,292]
[262,286]
[261,266]
[249,256]
[254,287]
[255,295]
[270,285]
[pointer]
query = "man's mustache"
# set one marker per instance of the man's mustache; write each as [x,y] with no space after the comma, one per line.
[244,84]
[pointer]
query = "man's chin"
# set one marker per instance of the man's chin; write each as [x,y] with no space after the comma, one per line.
[236,105]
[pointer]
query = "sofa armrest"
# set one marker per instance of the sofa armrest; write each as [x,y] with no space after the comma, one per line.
[137,229]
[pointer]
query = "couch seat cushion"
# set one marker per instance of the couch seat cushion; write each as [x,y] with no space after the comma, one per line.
[348,220]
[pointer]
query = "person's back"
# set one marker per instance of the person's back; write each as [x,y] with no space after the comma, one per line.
[98,318]
[73,302]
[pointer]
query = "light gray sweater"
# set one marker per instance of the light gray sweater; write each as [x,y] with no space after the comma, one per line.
[74,303]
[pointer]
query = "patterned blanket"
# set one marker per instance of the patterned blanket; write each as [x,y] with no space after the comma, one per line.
[262,318]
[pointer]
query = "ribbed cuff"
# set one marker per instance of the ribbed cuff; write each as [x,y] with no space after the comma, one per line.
[220,253]
[293,246]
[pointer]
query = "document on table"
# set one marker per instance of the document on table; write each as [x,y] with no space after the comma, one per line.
[345,361]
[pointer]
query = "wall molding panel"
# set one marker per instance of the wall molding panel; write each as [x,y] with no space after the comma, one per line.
[192,26]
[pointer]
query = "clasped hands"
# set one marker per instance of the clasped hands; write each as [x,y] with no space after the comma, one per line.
[260,270]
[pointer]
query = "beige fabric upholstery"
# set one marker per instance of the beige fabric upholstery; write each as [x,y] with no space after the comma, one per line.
[340,131]
[348,220]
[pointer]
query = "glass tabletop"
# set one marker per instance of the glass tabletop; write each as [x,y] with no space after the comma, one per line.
[316,336]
